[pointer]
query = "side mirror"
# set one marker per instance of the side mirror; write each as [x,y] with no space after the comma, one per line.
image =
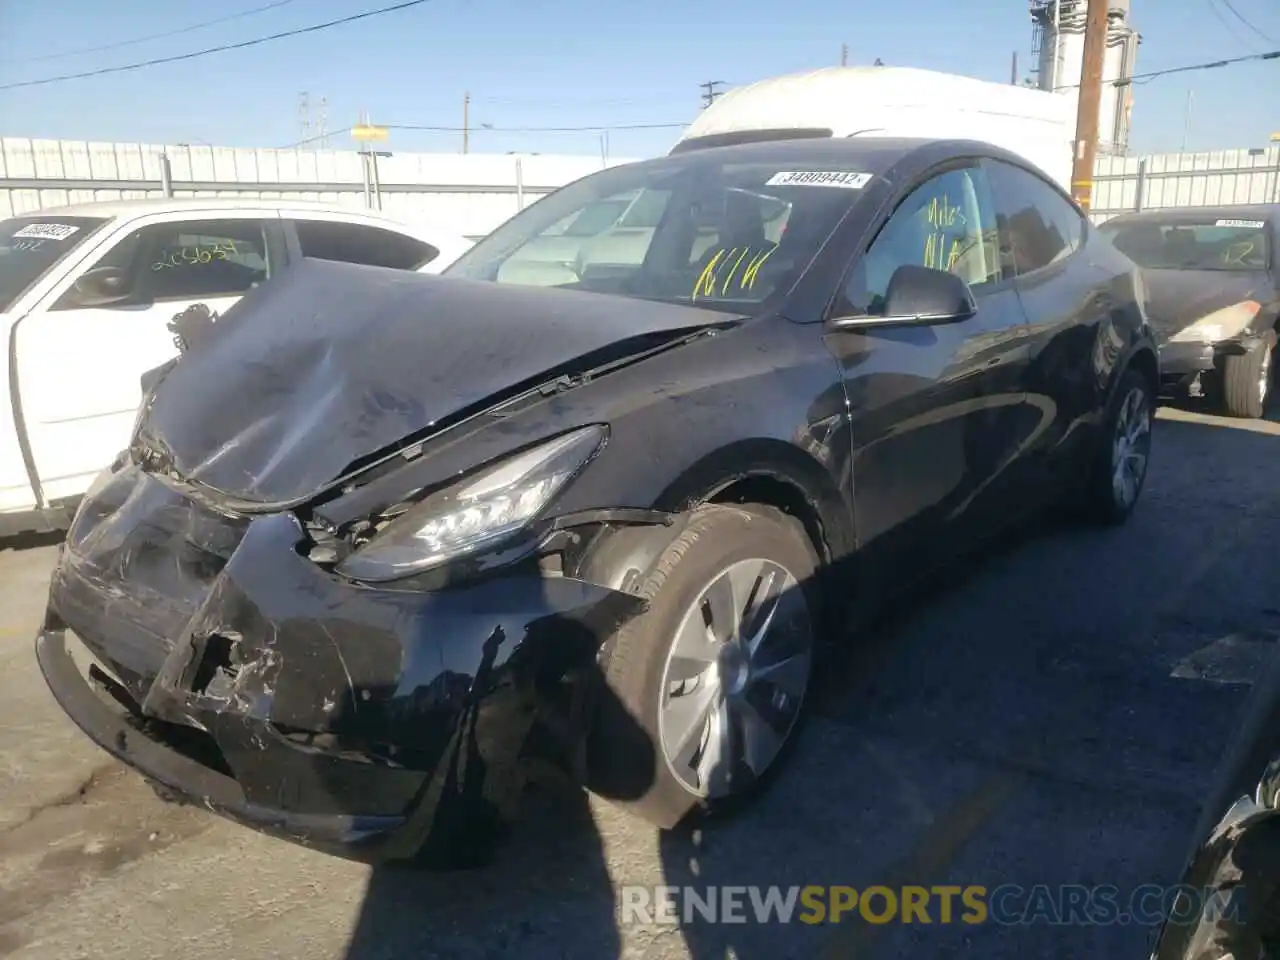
[918,295]
[101,287]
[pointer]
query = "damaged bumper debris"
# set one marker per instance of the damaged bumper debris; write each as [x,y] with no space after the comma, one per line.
[212,655]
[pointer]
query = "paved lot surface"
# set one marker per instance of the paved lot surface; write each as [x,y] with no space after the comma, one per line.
[1035,721]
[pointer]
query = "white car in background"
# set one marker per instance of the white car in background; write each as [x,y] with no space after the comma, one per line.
[86,295]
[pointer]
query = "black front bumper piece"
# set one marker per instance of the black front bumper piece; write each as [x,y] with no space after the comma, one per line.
[236,674]
[185,779]
[1183,364]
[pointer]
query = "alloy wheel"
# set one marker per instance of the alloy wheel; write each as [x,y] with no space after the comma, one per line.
[1130,447]
[735,678]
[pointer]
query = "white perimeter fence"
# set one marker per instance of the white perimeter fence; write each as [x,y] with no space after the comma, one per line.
[475,192]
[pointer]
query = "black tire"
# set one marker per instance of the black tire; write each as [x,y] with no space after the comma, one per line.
[626,763]
[1246,380]
[1099,500]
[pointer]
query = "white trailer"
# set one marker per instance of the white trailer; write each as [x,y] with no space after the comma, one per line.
[896,102]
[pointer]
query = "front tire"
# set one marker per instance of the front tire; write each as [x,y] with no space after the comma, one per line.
[1246,380]
[1119,470]
[706,690]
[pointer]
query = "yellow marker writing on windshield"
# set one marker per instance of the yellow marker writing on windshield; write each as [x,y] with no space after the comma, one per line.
[706,282]
[749,278]
[1237,252]
[724,291]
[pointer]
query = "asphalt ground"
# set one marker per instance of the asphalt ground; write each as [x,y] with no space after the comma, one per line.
[1052,714]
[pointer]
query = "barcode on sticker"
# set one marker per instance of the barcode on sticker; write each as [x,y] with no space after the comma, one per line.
[843,179]
[47,231]
[1256,224]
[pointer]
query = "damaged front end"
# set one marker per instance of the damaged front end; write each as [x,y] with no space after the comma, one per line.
[210,653]
[313,596]
[1193,354]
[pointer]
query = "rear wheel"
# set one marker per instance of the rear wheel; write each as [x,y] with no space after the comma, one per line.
[1119,470]
[1246,380]
[705,691]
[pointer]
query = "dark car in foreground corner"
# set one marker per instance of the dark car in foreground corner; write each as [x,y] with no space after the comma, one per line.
[1228,904]
[1214,297]
[382,542]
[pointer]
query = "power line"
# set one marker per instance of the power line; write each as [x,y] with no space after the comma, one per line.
[156,36]
[1227,25]
[313,28]
[1241,17]
[1187,68]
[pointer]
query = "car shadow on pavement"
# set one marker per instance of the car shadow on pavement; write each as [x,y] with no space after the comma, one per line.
[30,541]
[969,735]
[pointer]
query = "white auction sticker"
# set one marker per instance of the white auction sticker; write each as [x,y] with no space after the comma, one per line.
[844,179]
[1257,224]
[47,231]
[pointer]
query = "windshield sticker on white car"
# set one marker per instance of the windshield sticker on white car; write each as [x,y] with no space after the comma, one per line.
[843,179]
[1255,224]
[47,231]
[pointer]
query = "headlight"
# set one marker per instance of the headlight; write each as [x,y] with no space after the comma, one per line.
[1219,325]
[475,513]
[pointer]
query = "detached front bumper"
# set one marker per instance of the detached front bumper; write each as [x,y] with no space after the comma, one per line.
[1182,364]
[236,674]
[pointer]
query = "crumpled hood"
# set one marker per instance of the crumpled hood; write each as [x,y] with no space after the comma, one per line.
[1178,298]
[330,363]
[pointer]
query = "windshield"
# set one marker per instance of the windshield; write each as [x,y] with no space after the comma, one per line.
[1228,245]
[31,245]
[727,236]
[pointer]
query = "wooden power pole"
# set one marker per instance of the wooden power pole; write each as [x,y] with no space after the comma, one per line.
[1090,103]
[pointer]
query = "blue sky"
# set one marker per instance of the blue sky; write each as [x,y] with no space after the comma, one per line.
[566,63]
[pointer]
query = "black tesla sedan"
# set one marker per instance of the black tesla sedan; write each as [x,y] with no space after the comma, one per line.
[382,541]
[1213,297]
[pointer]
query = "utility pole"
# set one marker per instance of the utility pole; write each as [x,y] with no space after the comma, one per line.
[1090,102]
[1186,121]
[466,121]
[324,123]
[304,116]
[844,54]
[709,92]
[1013,76]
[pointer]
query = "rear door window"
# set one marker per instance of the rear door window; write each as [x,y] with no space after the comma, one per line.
[1043,227]
[364,244]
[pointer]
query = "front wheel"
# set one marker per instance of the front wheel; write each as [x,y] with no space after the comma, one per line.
[706,689]
[1119,470]
[1246,380]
